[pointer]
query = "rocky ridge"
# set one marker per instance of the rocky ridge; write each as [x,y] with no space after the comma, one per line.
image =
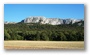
[52,21]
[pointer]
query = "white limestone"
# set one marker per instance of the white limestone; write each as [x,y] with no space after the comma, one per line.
[52,21]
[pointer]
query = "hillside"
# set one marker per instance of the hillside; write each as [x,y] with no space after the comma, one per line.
[52,21]
[45,32]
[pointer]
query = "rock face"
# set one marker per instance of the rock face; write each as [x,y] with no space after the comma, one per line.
[52,21]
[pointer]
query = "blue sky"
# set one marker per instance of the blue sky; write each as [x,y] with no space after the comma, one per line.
[18,12]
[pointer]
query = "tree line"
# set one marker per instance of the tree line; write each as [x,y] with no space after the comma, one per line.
[43,32]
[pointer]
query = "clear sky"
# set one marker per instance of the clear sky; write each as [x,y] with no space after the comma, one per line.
[18,12]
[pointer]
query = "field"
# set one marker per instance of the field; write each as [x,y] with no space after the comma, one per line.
[44,44]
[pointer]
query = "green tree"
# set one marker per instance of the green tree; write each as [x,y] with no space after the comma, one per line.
[37,36]
[63,37]
[6,35]
[44,36]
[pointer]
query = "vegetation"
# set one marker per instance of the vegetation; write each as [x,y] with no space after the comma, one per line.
[43,32]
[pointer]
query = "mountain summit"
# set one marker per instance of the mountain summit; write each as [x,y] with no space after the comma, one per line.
[52,21]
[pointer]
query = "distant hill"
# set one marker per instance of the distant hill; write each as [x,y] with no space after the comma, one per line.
[51,21]
[44,32]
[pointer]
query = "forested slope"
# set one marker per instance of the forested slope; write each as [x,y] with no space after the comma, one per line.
[44,32]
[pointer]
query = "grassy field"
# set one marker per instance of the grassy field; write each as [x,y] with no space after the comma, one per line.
[44,44]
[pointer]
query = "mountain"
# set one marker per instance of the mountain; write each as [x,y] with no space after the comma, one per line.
[52,21]
[6,22]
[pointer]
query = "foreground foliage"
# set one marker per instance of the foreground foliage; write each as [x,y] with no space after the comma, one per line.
[45,32]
